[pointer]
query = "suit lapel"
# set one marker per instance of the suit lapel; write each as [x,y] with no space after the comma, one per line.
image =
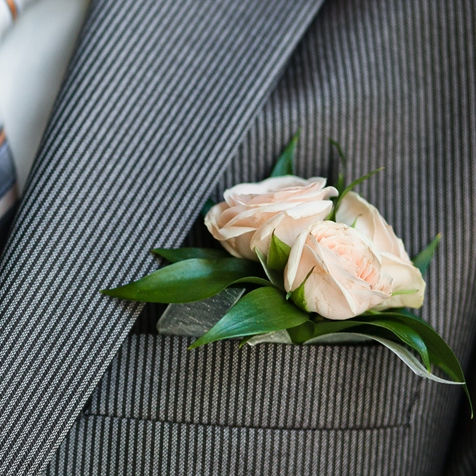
[155,102]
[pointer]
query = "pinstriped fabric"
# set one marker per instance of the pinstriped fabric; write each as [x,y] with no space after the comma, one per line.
[155,101]
[167,448]
[394,83]
[271,386]
[462,452]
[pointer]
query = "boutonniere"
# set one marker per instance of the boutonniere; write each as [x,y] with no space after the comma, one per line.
[319,264]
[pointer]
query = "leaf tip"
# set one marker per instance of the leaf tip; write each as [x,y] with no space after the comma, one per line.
[470,401]
[207,206]
[242,343]
[201,341]
[158,252]
[298,296]
[107,292]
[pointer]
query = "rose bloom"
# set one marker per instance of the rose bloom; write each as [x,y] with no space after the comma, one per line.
[251,213]
[341,271]
[406,278]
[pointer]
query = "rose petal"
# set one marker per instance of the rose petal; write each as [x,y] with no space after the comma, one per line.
[406,277]
[368,220]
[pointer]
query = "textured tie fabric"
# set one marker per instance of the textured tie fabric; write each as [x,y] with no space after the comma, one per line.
[155,102]
[8,189]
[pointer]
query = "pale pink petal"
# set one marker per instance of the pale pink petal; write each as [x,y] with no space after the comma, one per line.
[291,280]
[406,277]
[368,220]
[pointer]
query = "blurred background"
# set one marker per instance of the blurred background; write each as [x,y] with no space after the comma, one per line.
[37,38]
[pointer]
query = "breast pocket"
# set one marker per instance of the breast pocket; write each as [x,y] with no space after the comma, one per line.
[276,386]
[270,409]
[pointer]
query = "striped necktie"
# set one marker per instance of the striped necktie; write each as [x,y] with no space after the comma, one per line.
[156,100]
[8,188]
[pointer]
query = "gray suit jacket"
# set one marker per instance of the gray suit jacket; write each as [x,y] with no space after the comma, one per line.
[165,104]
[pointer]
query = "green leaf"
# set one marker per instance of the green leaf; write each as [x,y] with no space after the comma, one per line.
[340,152]
[401,352]
[262,310]
[440,352]
[275,337]
[180,254]
[350,187]
[342,160]
[311,329]
[401,292]
[358,181]
[275,277]
[278,254]
[285,165]
[190,280]
[404,313]
[407,335]
[400,311]
[244,341]
[422,259]
[206,208]
[404,333]
[297,296]
[351,337]
[411,361]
